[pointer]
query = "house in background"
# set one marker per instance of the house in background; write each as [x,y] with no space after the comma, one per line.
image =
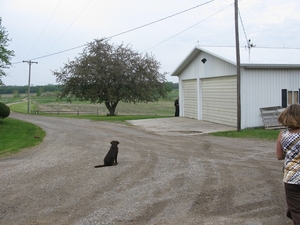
[208,83]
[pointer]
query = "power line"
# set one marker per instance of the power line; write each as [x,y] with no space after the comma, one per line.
[247,40]
[148,24]
[187,28]
[44,28]
[70,25]
[161,19]
[231,46]
[56,53]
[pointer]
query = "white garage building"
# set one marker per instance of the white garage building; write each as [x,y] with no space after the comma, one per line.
[208,83]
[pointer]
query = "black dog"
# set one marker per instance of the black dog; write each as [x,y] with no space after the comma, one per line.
[111,156]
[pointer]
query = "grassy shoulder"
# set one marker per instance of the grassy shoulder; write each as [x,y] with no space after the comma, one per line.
[16,135]
[258,133]
[20,107]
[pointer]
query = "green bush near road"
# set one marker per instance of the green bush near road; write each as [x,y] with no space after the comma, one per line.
[4,110]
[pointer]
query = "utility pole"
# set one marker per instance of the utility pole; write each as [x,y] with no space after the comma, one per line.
[28,94]
[238,64]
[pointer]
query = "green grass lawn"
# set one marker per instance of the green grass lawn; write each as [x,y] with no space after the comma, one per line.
[16,135]
[258,133]
[19,107]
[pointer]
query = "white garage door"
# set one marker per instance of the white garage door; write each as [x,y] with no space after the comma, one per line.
[190,105]
[219,100]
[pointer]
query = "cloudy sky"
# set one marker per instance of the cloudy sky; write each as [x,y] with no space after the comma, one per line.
[45,31]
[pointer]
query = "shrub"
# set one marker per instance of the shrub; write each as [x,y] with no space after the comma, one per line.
[4,110]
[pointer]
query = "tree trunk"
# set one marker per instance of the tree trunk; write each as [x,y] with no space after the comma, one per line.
[111,106]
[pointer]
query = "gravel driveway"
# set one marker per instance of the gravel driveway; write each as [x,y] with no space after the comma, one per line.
[160,179]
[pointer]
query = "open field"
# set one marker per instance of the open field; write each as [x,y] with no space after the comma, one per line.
[164,107]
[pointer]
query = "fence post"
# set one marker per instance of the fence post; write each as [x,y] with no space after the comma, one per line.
[77,112]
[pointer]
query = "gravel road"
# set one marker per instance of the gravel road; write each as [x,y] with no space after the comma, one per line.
[160,179]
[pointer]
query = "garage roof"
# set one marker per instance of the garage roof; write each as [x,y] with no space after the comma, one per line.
[254,58]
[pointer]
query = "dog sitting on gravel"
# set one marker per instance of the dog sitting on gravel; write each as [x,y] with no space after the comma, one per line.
[111,156]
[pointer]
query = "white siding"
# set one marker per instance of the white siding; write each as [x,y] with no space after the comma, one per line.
[190,105]
[219,100]
[262,88]
[260,85]
[215,67]
[192,71]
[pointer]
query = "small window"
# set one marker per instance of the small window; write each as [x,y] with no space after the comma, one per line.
[289,97]
[292,97]
[296,95]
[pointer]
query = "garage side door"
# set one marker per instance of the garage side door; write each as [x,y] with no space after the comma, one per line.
[219,100]
[190,104]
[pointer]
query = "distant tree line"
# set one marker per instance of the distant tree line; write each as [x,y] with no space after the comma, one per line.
[11,89]
[33,89]
[174,85]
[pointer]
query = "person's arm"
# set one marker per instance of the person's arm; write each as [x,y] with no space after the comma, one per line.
[279,151]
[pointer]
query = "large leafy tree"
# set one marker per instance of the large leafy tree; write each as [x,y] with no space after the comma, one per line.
[5,54]
[108,73]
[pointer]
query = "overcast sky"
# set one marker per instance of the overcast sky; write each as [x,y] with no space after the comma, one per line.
[38,28]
